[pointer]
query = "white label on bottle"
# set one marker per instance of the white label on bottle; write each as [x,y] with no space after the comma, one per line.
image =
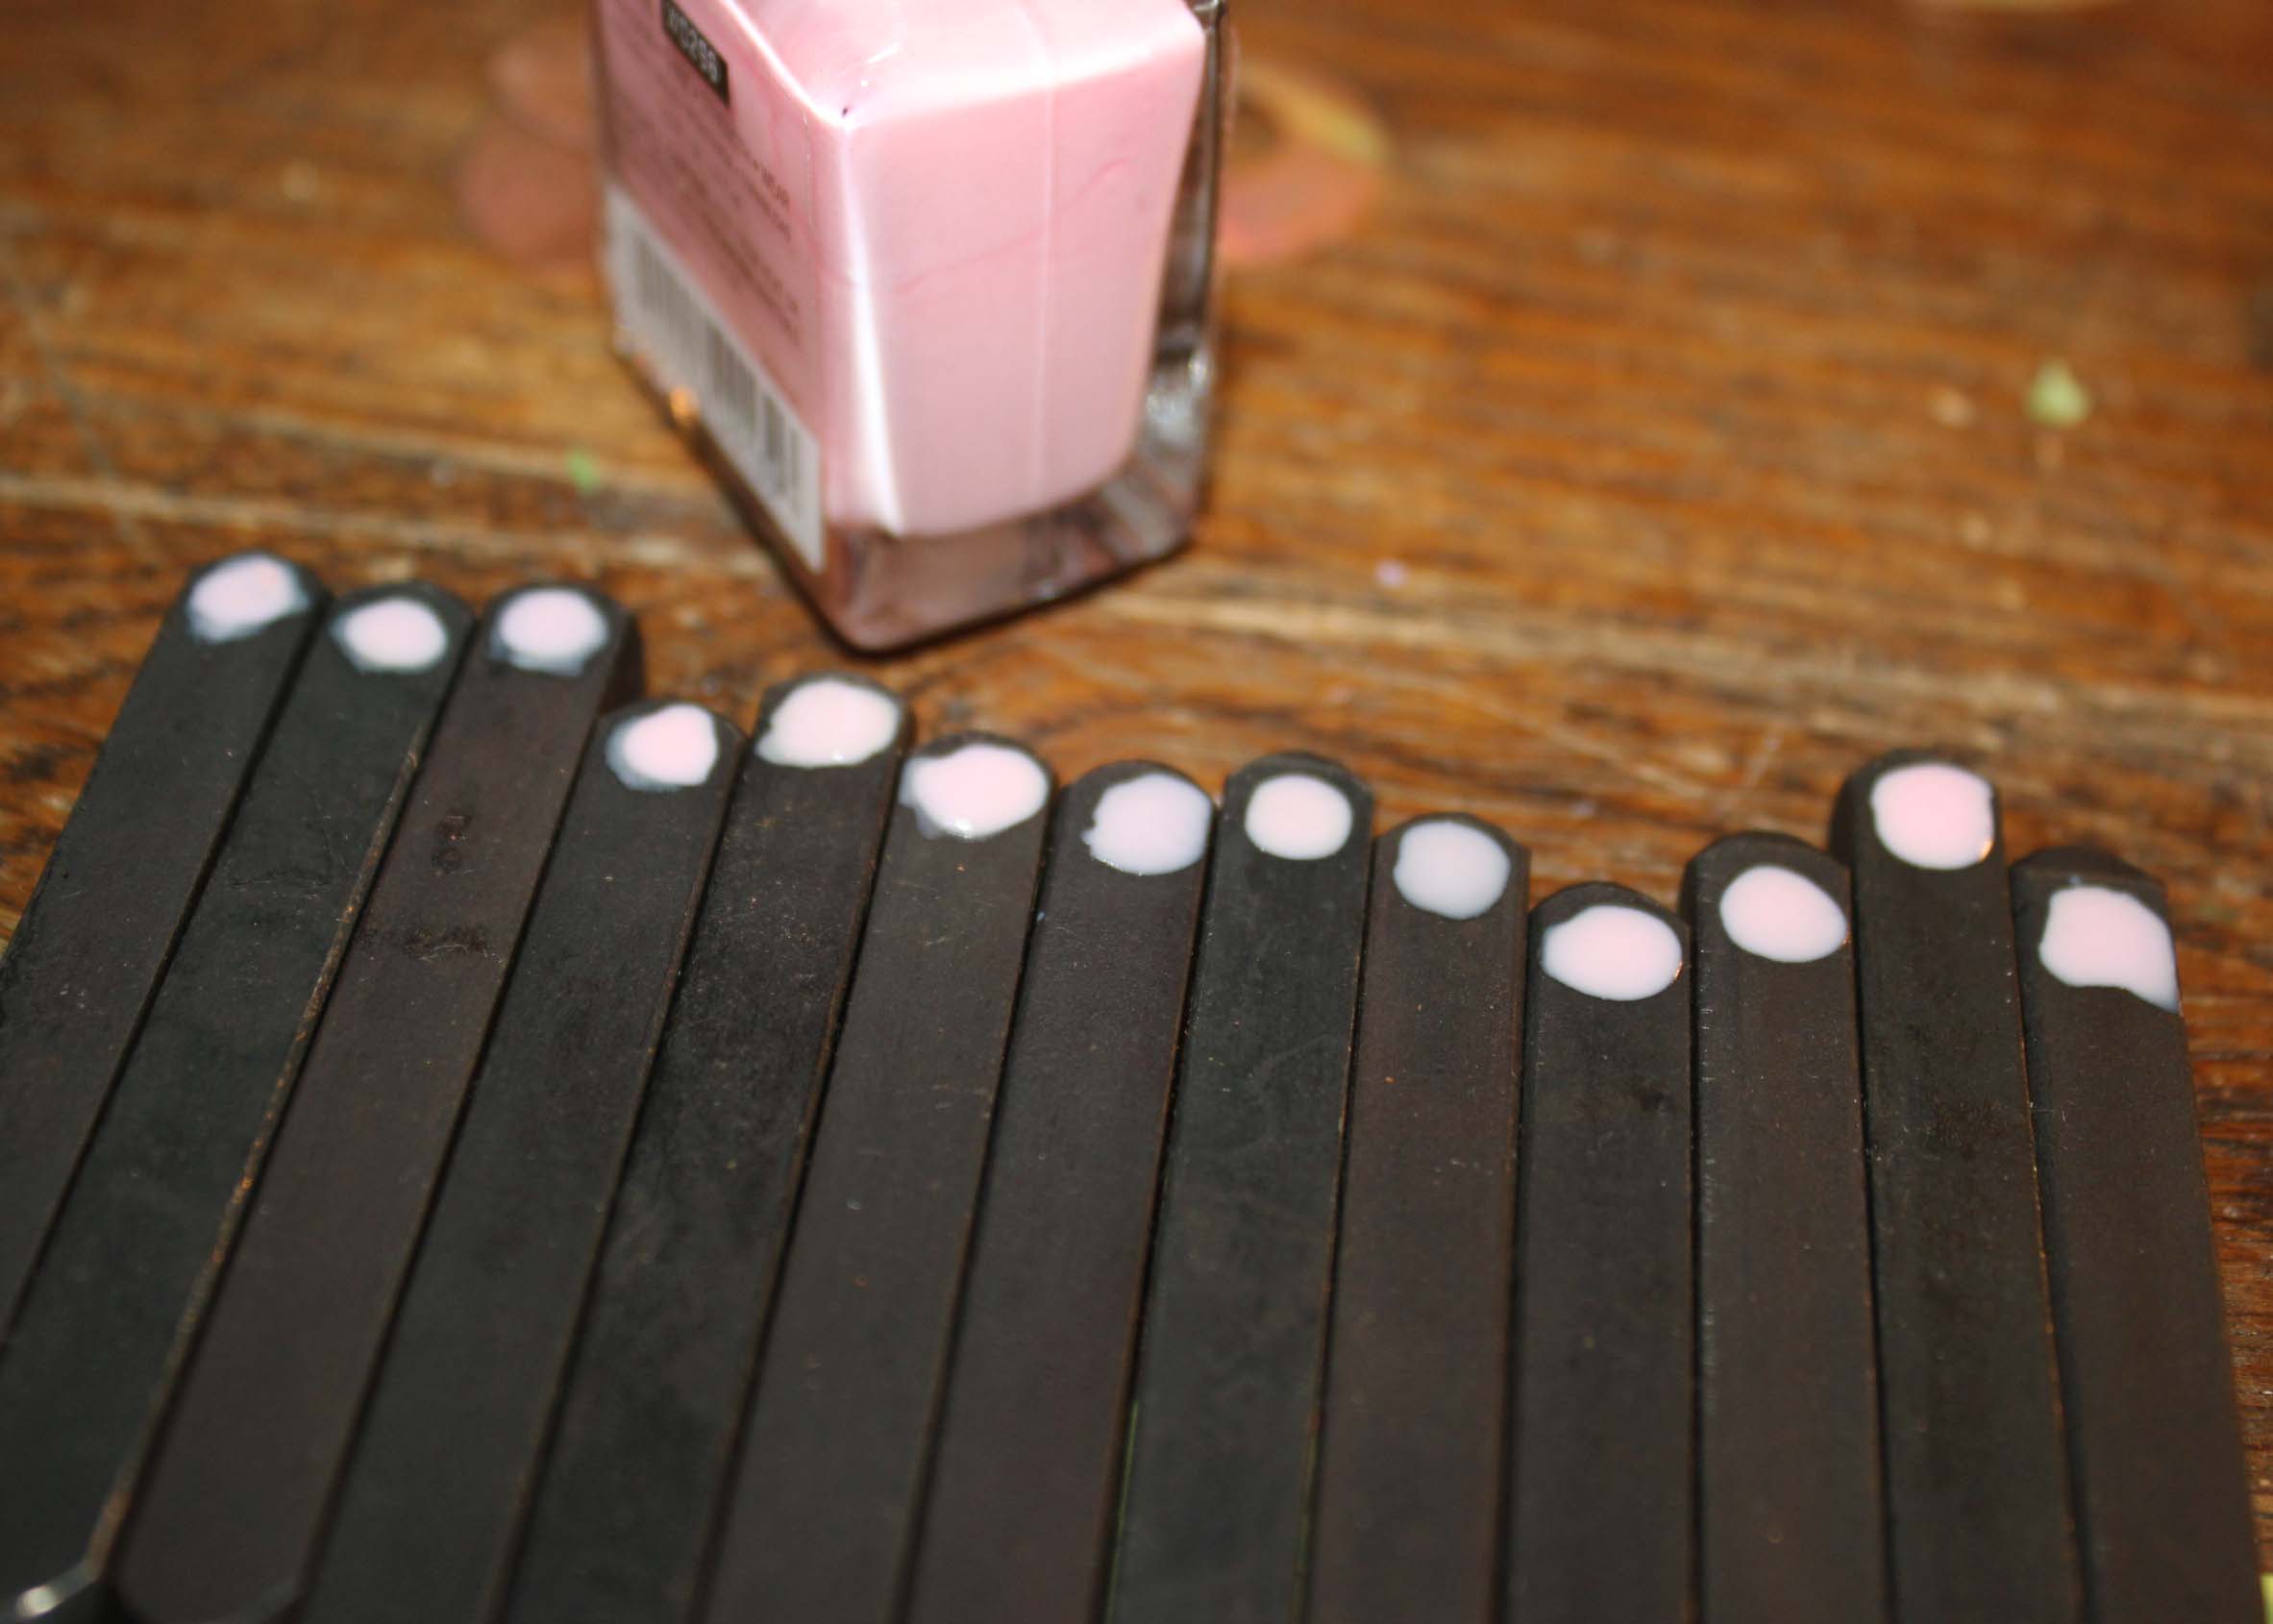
[676,326]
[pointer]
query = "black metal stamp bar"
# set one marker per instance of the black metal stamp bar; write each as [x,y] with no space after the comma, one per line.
[1226,1395]
[236,1491]
[1602,1524]
[1976,1484]
[828,1489]
[156,1198]
[663,1366]
[1792,1523]
[2162,1492]
[93,940]
[1020,1508]
[1412,1452]
[431,1500]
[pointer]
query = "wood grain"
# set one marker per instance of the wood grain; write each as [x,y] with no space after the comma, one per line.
[1681,365]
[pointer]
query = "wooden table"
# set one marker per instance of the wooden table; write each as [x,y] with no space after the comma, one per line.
[1656,452]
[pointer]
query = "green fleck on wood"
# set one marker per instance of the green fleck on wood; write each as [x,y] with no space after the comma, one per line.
[2057,398]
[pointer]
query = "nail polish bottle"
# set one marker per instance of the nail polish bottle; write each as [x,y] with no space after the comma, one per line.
[928,281]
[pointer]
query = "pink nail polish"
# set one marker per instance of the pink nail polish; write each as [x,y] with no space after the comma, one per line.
[928,281]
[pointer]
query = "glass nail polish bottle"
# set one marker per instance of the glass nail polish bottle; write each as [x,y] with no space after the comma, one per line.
[927,280]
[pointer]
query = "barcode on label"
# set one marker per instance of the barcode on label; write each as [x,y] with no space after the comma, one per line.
[671,321]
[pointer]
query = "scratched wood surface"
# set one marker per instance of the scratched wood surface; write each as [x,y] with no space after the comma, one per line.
[1655,450]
